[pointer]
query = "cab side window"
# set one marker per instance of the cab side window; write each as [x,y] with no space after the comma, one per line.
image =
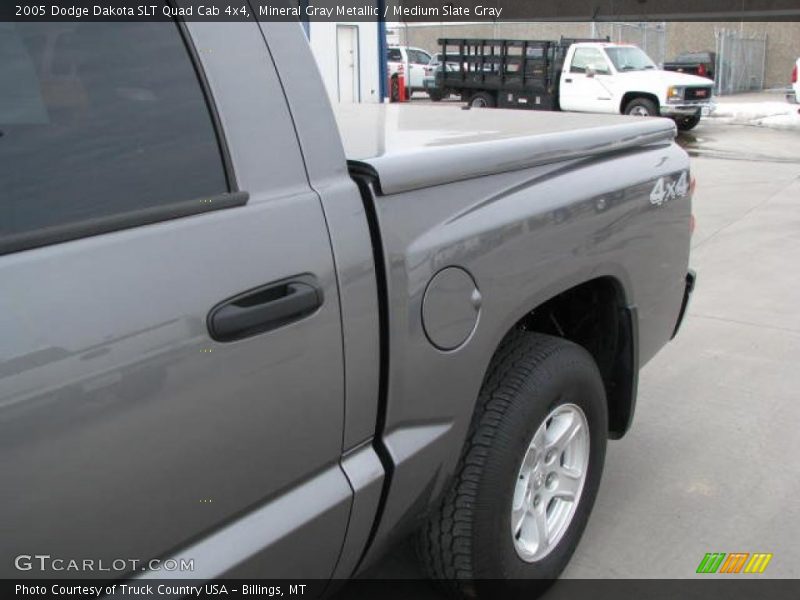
[418,57]
[588,57]
[103,121]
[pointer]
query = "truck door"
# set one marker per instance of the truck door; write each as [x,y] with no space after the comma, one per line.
[347,62]
[171,353]
[585,83]
[417,61]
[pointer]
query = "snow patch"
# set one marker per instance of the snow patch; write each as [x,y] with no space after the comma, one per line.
[777,115]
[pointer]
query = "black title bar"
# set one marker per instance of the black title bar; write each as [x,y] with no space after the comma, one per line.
[400,10]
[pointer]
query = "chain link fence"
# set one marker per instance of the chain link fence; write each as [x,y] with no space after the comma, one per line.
[650,37]
[741,62]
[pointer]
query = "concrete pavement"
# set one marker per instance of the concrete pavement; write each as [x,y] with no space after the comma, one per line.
[713,461]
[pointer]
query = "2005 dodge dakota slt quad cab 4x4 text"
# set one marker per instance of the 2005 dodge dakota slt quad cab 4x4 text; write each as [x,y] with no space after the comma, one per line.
[237,332]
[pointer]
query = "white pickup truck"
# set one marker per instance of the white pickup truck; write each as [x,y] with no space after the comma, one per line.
[413,61]
[617,78]
[580,76]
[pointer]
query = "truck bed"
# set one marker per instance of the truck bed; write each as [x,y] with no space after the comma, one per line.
[410,147]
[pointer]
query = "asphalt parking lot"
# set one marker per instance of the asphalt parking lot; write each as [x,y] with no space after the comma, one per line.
[712,463]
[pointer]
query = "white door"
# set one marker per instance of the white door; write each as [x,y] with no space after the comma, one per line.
[347,54]
[417,61]
[585,84]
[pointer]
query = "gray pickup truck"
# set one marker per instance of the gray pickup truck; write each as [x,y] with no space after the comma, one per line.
[247,335]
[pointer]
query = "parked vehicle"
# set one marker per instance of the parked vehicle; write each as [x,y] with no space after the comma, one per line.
[794,93]
[432,321]
[571,75]
[702,64]
[429,83]
[414,61]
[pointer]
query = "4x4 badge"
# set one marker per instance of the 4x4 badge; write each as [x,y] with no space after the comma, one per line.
[664,191]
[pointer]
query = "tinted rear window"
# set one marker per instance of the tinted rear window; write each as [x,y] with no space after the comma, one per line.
[103,119]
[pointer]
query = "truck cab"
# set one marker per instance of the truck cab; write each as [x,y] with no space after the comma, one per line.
[611,78]
[413,61]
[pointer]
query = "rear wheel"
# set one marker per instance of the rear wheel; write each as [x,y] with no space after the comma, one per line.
[394,90]
[528,476]
[641,107]
[482,100]
[687,123]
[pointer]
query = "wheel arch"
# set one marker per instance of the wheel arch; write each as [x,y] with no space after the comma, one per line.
[438,444]
[598,315]
[628,97]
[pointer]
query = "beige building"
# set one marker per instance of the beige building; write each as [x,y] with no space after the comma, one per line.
[782,39]
[783,44]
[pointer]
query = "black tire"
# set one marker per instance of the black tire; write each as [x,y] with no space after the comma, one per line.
[482,100]
[394,90]
[687,123]
[467,544]
[638,105]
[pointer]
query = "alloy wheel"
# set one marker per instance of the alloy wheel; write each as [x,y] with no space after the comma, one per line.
[550,482]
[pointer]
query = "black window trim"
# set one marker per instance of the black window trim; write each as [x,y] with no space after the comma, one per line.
[222,143]
[86,228]
[56,234]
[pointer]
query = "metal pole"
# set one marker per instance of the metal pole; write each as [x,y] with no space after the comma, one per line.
[721,60]
[730,52]
[644,40]
[726,72]
[729,74]
[383,58]
[717,63]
